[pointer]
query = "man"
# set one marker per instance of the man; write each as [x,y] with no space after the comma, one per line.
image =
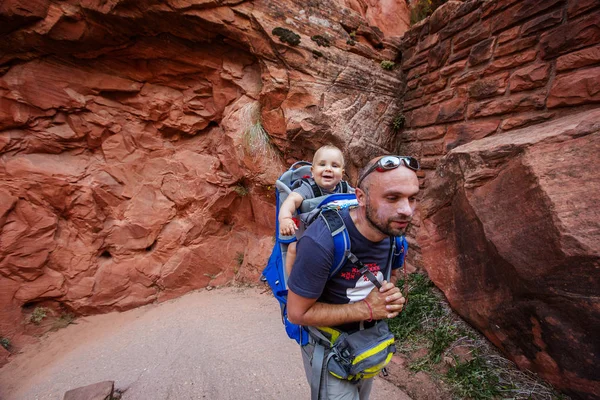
[386,193]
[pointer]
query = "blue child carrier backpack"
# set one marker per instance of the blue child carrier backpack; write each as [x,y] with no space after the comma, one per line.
[325,206]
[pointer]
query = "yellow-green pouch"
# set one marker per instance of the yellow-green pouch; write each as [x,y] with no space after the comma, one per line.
[362,354]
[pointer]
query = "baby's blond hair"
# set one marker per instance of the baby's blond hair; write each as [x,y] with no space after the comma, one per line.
[329,147]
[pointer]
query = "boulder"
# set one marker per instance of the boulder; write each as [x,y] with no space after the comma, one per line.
[511,235]
[97,391]
[4,355]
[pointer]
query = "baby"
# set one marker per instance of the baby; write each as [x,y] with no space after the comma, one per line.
[327,171]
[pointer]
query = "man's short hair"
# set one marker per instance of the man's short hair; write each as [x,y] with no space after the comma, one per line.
[364,185]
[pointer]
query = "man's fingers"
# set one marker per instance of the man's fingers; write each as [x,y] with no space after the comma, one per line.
[397,300]
[394,307]
[386,286]
[392,293]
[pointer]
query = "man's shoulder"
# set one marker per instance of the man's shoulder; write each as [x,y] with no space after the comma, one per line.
[319,231]
[322,229]
[345,214]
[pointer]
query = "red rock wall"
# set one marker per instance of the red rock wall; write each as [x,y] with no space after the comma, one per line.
[126,172]
[501,105]
[479,68]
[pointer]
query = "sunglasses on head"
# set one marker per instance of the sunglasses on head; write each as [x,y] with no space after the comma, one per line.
[387,163]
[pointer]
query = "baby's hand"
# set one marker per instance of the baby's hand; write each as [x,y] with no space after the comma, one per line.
[287,227]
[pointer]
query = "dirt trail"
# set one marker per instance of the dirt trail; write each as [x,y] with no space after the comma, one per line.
[207,344]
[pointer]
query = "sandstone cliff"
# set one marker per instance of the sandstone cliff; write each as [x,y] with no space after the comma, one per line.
[140,139]
[510,222]
[139,142]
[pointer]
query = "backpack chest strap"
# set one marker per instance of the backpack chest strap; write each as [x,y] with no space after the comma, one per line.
[363,269]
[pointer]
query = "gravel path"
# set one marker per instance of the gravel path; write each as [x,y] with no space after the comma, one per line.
[222,344]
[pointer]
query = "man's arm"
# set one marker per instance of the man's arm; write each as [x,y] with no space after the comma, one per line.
[310,312]
[386,302]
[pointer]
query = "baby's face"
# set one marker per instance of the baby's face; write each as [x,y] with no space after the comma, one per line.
[328,168]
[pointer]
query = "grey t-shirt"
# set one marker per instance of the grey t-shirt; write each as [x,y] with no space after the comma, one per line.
[305,190]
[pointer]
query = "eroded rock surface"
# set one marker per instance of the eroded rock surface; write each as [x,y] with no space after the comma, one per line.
[502,239]
[511,234]
[133,161]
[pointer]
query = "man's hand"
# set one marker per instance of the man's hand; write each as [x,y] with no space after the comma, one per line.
[287,227]
[386,302]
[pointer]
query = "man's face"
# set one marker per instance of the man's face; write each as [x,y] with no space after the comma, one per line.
[390,200]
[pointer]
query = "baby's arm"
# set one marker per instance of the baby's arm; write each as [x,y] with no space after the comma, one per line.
[287,226]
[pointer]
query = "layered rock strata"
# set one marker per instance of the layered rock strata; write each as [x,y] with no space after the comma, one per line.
[512,237]
[510,227]
[139,141]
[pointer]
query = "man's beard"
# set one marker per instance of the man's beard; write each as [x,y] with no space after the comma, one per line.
[385,227]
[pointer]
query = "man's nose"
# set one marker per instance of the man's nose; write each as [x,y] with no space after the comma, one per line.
[404,208]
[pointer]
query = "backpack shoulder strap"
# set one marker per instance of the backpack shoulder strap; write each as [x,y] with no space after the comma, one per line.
[395,259]
[344,187]
[313,185]
[400,251]
[341,240]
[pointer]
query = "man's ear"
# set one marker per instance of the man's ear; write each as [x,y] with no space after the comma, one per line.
[361,197]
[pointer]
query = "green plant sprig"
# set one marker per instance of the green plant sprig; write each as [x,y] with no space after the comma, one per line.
[39,313]
[388,65]
[427,322]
